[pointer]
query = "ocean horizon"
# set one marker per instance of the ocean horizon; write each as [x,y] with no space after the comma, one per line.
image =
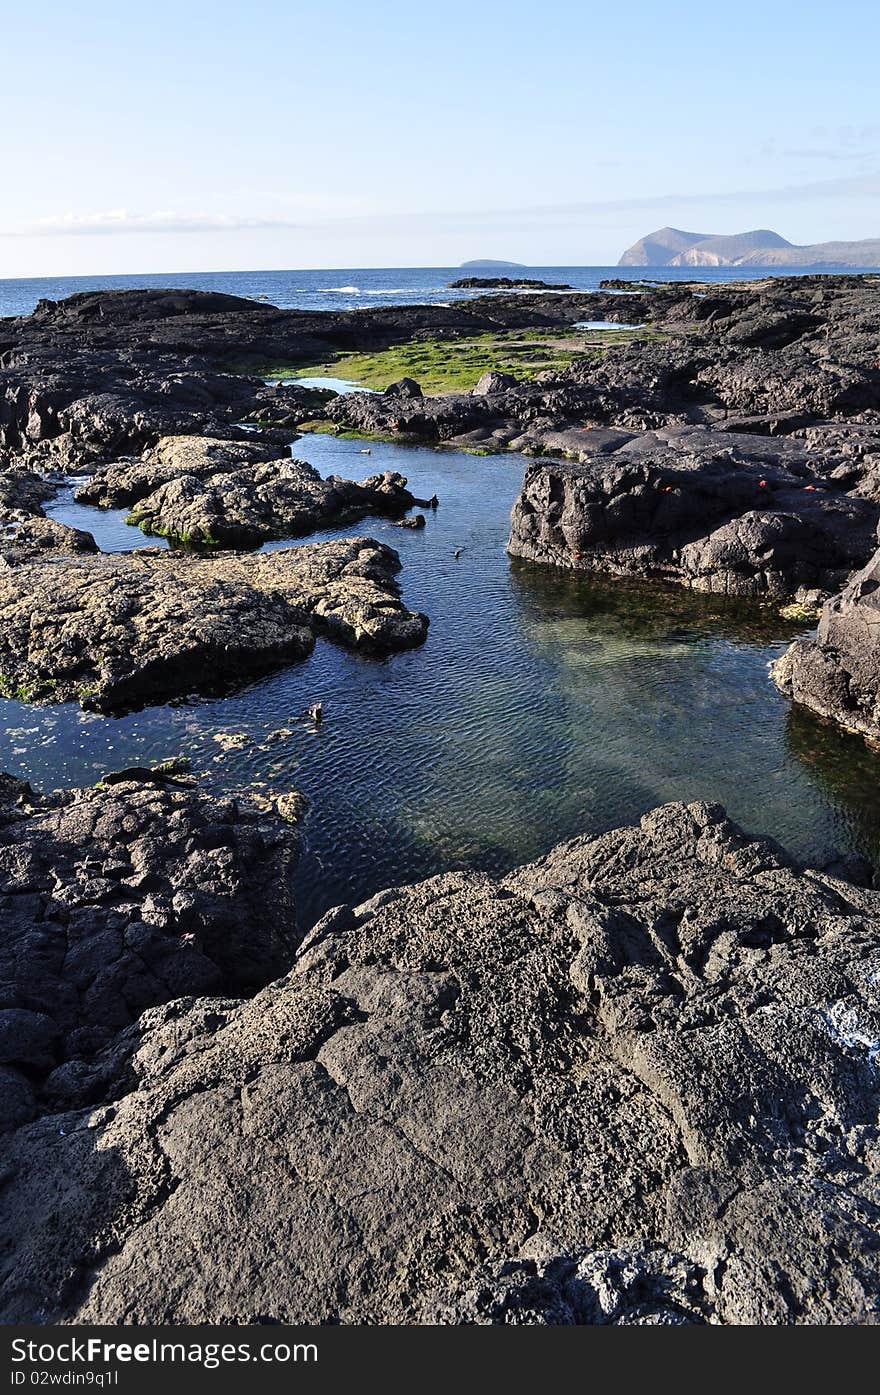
[358,288]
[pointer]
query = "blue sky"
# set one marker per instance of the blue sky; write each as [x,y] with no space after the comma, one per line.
[196,136]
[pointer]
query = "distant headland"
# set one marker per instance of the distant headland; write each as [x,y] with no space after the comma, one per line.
[488,264]
[673,247]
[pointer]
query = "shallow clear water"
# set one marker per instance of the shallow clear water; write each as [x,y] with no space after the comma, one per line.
[110,530]
[339,385]
[541,706]
[603,324]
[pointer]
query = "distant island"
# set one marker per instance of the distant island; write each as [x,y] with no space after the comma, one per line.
[488,265]
[761,247]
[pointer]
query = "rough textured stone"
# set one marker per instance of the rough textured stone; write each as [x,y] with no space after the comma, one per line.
[204,490]
[126,481]
[625,1287]
[507,283]
[717,511]
[776,356]
[120,897]
[128,629]
[22,492]
[404,387]
[107,373]
[277,499]
[493,381]
[837,674]
[36,535]
[634,1082]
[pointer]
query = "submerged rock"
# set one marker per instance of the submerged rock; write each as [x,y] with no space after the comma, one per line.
[733,513]
[837,674]
[633,1082]
[120,631]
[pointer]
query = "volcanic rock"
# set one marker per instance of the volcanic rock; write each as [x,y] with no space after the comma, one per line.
[837,674]
[120,897]
[725,512]
[632,1083]
[404,387]
[125,481]
[493,382]
[506,283]
[37,535]
[120,631]
[277,499]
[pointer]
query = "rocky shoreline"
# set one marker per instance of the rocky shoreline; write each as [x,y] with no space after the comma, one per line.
[634,1082]
[739,454]
[837,674]
[106,374]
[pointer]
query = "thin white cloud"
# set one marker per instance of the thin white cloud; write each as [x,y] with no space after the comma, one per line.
[829,153]
[121,221]
[867,185]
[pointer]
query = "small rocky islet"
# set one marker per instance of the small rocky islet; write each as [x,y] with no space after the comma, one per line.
[633,1082]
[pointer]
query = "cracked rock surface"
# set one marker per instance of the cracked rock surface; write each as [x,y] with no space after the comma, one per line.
[277,499]
[837,673]
[633,1082]
[236,494]
[106,373]
[120,631]
[726,512]
[122,896]
[776,356]
[125,481]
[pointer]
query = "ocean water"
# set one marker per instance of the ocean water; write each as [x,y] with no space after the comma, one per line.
[541,706]
[352,288]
